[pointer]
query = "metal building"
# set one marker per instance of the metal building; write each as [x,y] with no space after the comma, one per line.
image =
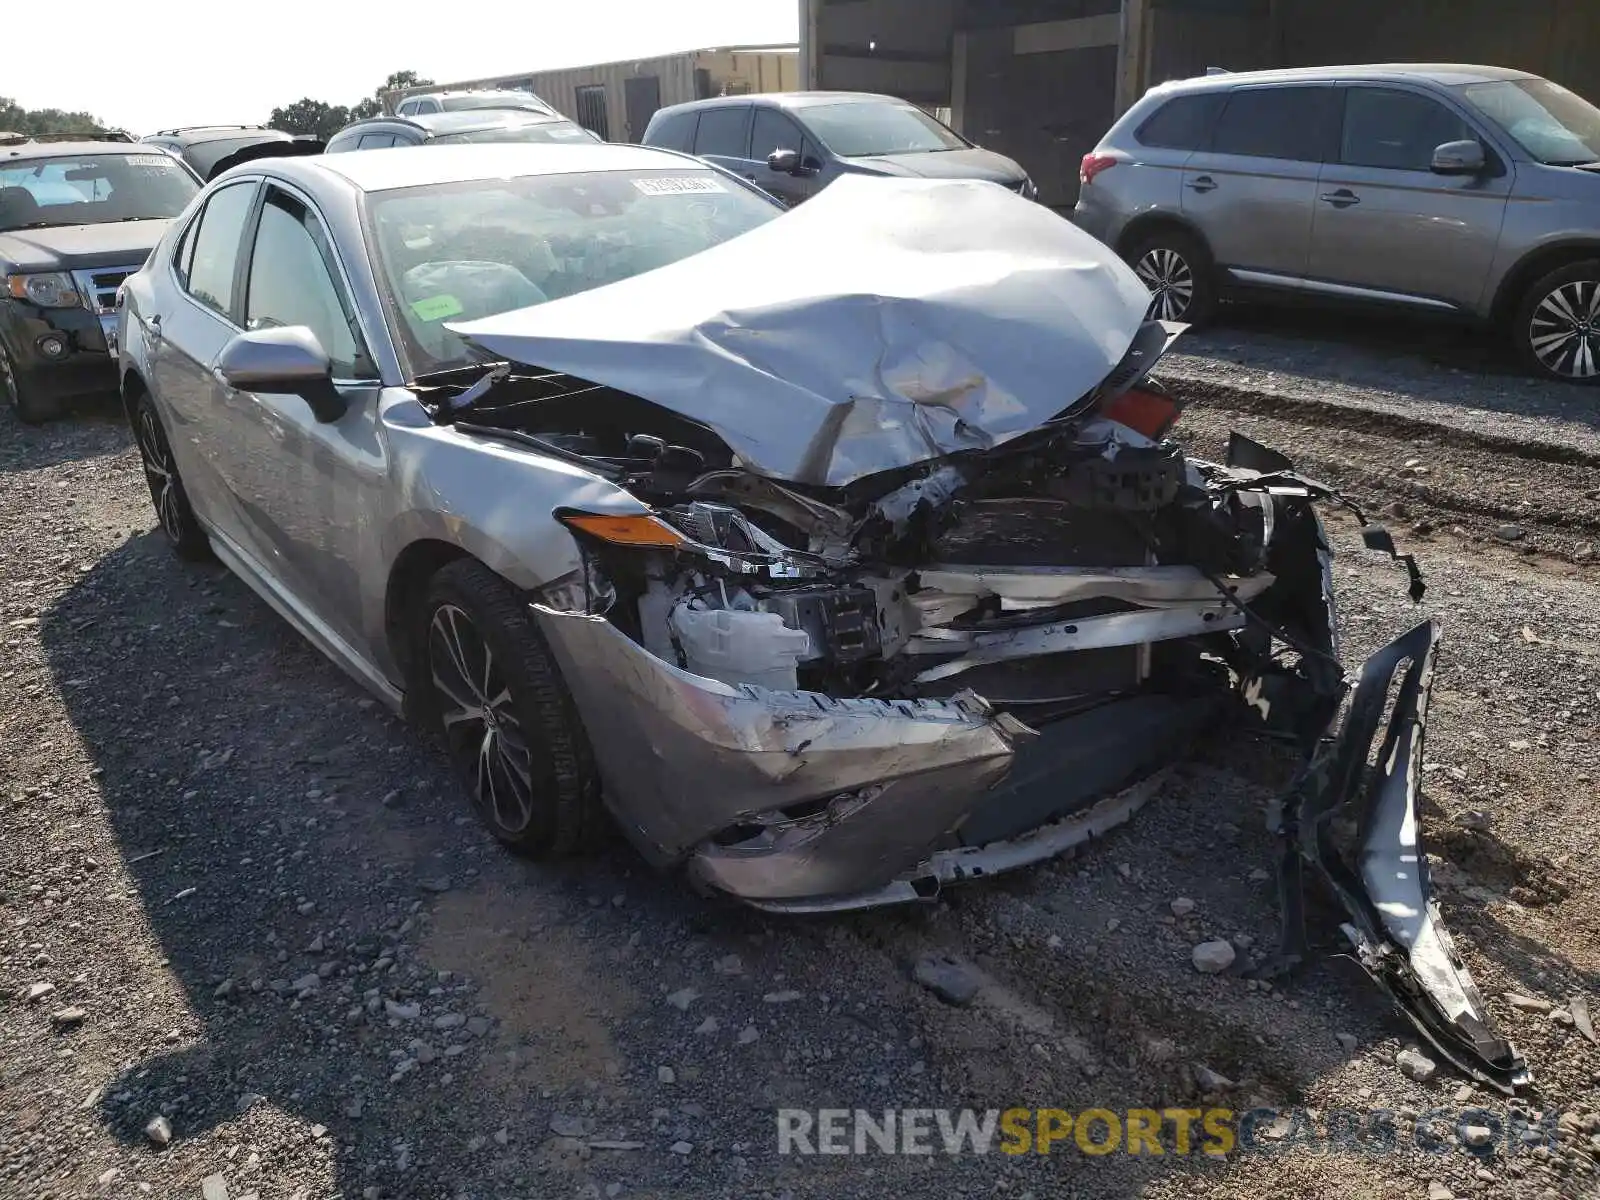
[617,99]
[1041,80]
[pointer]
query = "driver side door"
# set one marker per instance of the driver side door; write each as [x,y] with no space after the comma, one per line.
[773,130]
[310,491]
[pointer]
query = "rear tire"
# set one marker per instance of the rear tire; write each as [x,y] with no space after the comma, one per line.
[1178,270]
[1557,326]
[496,697]
[173,511]
[31,407]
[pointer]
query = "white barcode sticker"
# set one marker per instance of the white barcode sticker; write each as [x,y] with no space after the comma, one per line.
[678,185]
[149,160]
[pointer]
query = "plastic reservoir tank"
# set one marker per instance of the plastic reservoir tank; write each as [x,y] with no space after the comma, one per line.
[738,646]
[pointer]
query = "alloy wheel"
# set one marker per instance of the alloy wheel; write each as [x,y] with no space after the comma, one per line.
[1564,331]
[1170,280]
[160,473]
[481,727]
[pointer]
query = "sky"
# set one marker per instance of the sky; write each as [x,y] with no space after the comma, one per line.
[182,62]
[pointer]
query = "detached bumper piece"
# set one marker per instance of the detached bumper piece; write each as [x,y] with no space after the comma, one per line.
[1382,882]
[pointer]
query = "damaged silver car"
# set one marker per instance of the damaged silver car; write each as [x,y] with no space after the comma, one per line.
[837,555]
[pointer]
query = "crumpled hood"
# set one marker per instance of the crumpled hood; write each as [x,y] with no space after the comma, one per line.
[882,323]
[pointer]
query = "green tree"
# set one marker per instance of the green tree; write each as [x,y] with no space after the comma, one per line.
[16,119]
[310,116]
[373,104]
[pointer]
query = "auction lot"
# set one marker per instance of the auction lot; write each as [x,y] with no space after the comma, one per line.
[267,916]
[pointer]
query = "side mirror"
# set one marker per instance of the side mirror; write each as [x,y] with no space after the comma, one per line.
[283,361]
[784,162]
[1459,158]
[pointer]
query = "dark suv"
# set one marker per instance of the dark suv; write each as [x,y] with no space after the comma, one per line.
[76,219]
[209,150]
[794,144]
[471,125]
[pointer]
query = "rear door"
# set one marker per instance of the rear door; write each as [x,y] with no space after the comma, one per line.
[723,137]
[1252,191]
[197,314]
[1385,222]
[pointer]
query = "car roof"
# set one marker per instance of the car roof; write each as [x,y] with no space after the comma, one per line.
[217,133]
[790,100]
[417,166]
[31,149]
[1444,74]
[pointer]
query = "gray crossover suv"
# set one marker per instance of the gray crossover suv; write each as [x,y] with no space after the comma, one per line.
[1472,191]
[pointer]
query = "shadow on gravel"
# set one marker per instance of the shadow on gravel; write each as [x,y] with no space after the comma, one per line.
[94,428]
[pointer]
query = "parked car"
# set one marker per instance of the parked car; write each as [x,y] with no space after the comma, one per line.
[1468,191]
[465,101]
[835,582]
[448,128]
[209,150]
[76,219]
[795,144]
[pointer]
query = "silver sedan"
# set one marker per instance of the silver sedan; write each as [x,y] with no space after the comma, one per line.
[836,554]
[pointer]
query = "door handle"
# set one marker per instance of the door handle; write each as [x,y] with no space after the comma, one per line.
[1203,183]
[1343,198]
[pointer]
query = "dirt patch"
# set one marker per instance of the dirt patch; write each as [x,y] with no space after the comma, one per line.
[1528,879]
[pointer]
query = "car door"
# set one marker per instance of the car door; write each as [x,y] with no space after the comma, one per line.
[772,130]
[193,318]
[310,489]
[1252,190]
[723,137]
[1385,222]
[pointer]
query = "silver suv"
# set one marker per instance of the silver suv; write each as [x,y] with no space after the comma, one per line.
[1461,190]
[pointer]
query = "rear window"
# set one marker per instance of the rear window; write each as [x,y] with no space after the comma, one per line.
[1284,122]
[203,156]
[1182,123]
[560,132]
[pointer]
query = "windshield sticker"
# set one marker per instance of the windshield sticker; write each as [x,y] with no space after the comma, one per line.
[679,186]
[159,161]
[437,308]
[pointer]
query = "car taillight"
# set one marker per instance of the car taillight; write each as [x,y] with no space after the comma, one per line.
[1092,165]
[1148,412]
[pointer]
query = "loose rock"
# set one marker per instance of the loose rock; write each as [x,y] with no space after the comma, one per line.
[1414,1064]
[1211,958]
[948,978]
[159,1131]
[1182,906]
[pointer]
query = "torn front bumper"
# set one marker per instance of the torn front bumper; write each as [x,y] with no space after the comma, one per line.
[1382,880]
[803,794]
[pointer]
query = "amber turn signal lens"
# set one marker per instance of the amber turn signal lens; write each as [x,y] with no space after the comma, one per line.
[640,530]
[1147,412]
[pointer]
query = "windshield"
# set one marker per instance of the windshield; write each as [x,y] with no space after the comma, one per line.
[461,251]
[859,128]
[92,189]
[547,131]
[493,100]
[1553,125]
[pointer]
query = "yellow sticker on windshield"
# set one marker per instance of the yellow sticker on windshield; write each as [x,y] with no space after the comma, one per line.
[437,308]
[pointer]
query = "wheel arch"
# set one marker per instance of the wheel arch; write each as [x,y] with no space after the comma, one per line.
[404,593]
[1534,265]
[1146,224]
[132,386]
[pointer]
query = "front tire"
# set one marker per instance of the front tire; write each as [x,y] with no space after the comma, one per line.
[1177,269]
[1557,325]
[508,723]
[31,407]
[167,493]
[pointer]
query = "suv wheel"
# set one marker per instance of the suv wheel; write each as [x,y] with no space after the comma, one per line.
[30,407]
[496,696]
[1177,270]
[1558,324]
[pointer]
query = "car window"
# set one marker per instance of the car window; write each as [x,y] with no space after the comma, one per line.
[406,108]
[861,128]
[774,131]
[294,281]
[1284,122]
[722,131]
[559,132]
[1182,123]
[1397,130]
[375,141]
[456,252]
[204,156]
[427,106]
[92,189]
[674,131]
[215,254]
[1553,125]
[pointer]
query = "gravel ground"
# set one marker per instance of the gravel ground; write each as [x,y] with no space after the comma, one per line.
[263,915]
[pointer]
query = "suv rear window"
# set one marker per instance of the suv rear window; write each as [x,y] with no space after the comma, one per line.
[1276,122]
[1182,123]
